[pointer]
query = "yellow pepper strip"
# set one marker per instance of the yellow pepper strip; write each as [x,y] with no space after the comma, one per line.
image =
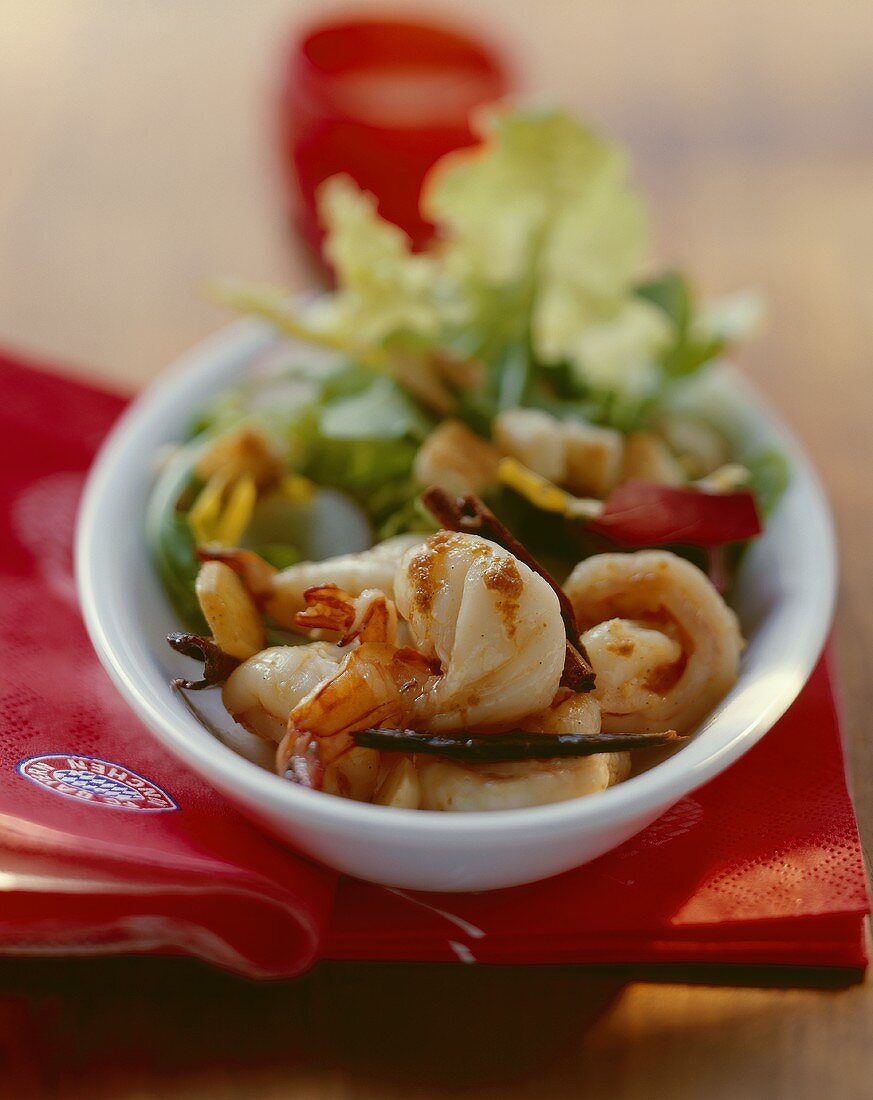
[222,510]
[235,516]
[297,489]
[224,506]
[204,512]
[544,494]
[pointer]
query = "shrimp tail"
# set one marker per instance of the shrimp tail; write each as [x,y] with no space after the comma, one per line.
[328,607]
[376,685]
[370,617]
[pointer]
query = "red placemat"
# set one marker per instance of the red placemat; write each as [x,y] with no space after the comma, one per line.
[108,844]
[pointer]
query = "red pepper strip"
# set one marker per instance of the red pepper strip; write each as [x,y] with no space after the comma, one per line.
[642,513]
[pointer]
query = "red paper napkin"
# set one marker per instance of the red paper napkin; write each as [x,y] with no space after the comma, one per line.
[108,844]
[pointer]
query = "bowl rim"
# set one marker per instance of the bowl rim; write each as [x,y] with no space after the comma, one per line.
[190,379]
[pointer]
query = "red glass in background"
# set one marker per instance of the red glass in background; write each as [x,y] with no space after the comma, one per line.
[381,100]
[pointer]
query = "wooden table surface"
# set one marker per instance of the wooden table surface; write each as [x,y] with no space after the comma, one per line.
[137,160]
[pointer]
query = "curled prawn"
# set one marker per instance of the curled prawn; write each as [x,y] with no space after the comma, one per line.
[446,785]
[492,624]
[375,685]
[262,691]
[372,685]
[369,617]
[664,644]
[487,639]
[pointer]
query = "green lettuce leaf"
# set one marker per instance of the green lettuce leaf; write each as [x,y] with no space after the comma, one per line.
[364,444]
[769,474]
[533,273]
[545,236]
[381,411]
[385,292]
[699,334]
[169,537]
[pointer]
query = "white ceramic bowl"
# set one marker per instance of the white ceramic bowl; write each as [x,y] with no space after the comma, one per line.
[785,600]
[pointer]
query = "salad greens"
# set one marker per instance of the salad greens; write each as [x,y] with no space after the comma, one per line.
[534,273]
[769,474]
[530,295]
[171,539]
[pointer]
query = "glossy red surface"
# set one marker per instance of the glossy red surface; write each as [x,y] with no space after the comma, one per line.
[380,100]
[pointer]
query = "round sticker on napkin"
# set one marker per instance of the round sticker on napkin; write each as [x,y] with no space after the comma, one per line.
[99,782]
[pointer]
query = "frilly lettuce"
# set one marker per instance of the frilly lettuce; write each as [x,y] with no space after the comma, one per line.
[386,296]
[534,271]
[542,213]
[504,205]
[529,295]
[618,351]
[385,293]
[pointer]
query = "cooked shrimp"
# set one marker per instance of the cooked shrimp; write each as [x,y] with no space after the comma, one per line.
[290,693]
[488,646]
[373,684]
[572,713]
[488,641]
[493,626]
[376,684]
[262,691]
[630,657]
[449,786]
[664,644]
[370,617]
[233,619]
[445,785]
[281,594]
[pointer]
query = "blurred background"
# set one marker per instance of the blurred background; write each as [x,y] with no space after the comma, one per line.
[141,157]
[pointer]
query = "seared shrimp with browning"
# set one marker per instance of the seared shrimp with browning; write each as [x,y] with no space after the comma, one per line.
[492,624]
[464,644]
[487,645]
[664,644]
[446,785]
